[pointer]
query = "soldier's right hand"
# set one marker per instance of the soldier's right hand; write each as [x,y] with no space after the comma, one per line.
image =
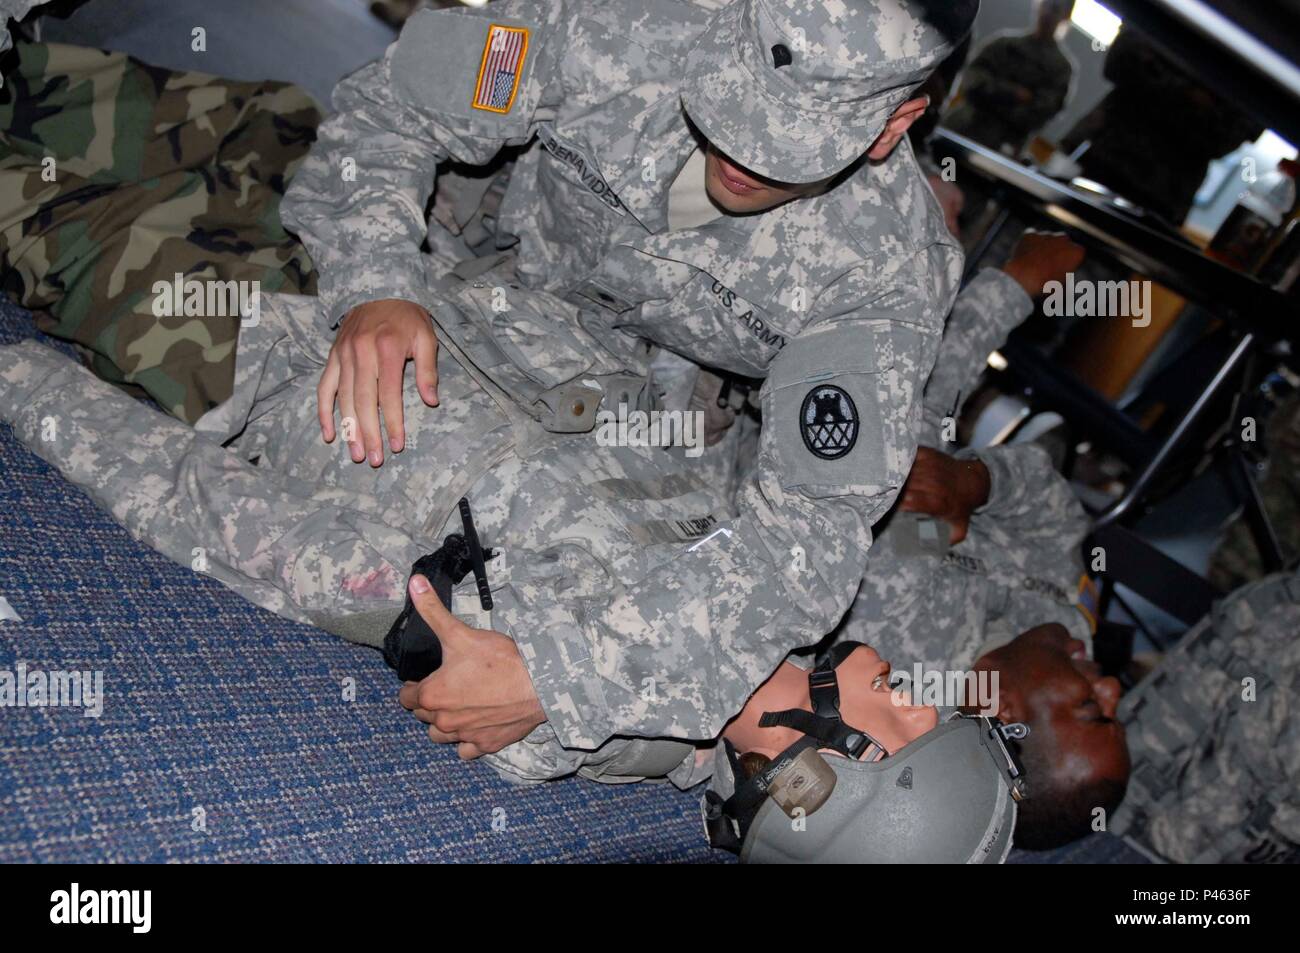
[1040,258]
[364,372]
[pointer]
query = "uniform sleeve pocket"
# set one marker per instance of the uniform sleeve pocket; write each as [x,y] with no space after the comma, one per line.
[469,71]
[822,414]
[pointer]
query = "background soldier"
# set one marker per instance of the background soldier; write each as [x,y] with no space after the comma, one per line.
[1016,84]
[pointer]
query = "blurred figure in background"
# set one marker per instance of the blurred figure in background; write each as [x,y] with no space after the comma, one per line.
[1016,83]
[1154,135]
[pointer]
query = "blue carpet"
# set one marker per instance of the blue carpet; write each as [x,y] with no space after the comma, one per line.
[219,711]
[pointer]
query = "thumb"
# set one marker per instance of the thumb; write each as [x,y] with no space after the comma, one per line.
[426,601]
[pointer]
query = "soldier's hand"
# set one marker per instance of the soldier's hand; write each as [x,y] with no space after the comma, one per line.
[946,488]
[1043,257]
[481,698]
[364,372]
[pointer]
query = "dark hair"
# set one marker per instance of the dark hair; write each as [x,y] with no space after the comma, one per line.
[1057,811]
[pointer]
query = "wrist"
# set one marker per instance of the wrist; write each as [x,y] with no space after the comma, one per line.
[977,483]
[1022,273]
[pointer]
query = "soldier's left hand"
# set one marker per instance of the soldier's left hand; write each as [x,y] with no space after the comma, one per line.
[481,698]
[947,488]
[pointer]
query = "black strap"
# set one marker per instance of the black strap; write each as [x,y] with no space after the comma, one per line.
[727,821]
[832,733]
[475,556]
[411,648]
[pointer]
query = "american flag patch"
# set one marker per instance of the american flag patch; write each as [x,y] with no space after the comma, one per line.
[1088,601]
[503,62]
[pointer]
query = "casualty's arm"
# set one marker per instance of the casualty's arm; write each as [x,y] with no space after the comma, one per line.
[984,314]
[986,311]
[1027,497]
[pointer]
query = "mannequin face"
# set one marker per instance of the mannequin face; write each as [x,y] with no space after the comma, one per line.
[865,703]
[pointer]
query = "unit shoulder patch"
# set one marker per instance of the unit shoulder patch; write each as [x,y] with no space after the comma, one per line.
[828,421]
[500,68]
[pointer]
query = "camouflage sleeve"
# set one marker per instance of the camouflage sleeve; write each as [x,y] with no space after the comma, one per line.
[1214,737]
[984,314]
[676,652]
[458,84]
[1026,492]
[1032,509]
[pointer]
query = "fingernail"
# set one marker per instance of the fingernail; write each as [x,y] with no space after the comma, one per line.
[394,444]
[419,585]
[376,458]
[355,450]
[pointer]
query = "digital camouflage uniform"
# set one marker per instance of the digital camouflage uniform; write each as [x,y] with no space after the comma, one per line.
[115,175]
[990,111]
[16,10]
[642,602]
[924,601]
[1214,733]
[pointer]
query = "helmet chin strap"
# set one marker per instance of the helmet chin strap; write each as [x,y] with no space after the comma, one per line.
[824,722]
[727,822]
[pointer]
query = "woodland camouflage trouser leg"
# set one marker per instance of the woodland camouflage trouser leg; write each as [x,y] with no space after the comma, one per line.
[115,175]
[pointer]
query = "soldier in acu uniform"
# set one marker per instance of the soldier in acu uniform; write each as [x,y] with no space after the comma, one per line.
[634,599]
[1016,84]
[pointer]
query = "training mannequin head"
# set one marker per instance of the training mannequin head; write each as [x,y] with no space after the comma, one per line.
[1075,755]
[865,703]
[830,765]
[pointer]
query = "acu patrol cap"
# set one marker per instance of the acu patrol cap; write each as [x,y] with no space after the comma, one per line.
[797,90]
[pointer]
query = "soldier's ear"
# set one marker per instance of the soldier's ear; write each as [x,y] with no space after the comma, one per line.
[897,127]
